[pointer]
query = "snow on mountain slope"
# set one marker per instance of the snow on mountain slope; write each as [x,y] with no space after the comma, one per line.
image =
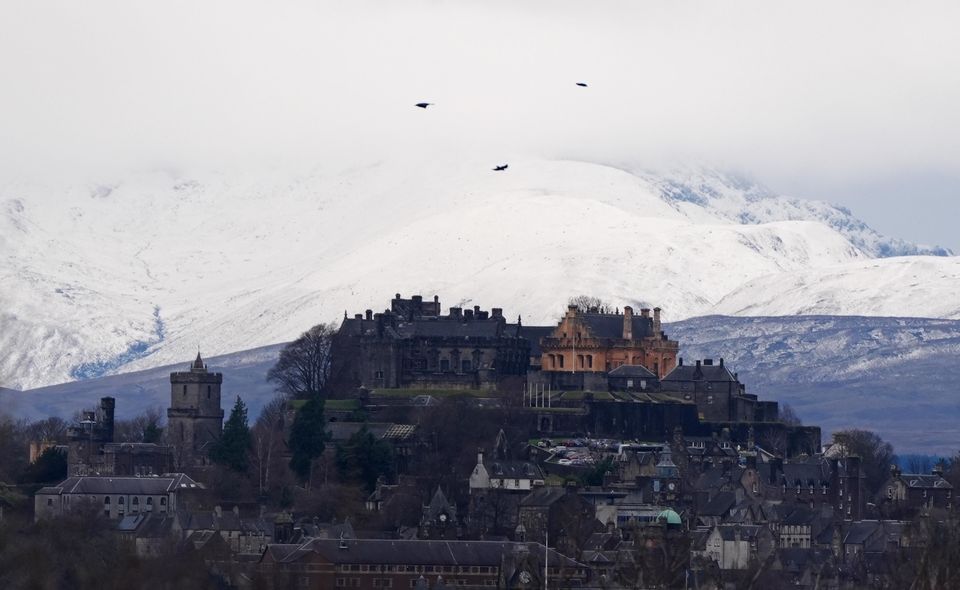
[911,286]
[702,193]
[130,273]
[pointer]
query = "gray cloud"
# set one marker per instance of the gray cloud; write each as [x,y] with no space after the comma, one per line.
[821,99]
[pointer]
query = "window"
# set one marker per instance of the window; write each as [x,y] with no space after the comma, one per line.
[444,365]
[209,388]
[710,399]
[49,501]
[149,501]
[121,500]
[589,361]
[560,361]
[163,501]
[184,391]
[465,366]
[378,374]
[106,500]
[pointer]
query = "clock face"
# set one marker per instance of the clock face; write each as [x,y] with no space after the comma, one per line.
[525,577]
[443,518]
[670,486]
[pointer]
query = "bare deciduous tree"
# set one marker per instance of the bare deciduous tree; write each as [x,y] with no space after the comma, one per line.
[303,368]
[585,303]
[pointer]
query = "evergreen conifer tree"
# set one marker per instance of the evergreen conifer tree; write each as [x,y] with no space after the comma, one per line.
[308,437]
[231,450]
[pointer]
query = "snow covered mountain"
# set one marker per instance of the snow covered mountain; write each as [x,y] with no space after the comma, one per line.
[135,272]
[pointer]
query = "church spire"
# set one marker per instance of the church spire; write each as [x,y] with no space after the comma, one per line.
[198,364]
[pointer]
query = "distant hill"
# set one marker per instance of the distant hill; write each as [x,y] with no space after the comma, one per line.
[244,374]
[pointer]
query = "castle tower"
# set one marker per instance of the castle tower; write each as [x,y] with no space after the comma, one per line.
[194,418]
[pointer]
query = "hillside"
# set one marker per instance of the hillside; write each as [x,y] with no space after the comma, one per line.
[130,273]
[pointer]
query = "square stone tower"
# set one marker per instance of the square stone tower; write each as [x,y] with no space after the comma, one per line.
[194,418]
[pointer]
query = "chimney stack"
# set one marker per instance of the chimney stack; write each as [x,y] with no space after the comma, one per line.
[628,323]
[369,313]
[656,320]
[644,312]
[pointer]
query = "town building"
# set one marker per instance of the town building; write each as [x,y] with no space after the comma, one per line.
[907,494]
[117,497]
[91,450]
[369,564]
[412,346]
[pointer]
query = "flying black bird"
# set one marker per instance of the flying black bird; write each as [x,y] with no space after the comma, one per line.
[501,167]
[423,105]
[583,84]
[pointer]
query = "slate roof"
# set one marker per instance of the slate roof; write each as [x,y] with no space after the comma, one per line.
[534,334]
[747,532]
[544,496]
[917,481]
[139,486]
[719,505]
[413,552]
[714,373]
[514,470]
[439,504]
[608,325]
[633,371]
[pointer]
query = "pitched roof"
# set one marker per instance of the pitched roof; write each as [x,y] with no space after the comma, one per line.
[918,481]
[701,372]
[632,371]
[543,496]
[413,552]
[610,325]
[514,470]
[143,486]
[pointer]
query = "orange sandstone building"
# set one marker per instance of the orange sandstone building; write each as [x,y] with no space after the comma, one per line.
[598,342]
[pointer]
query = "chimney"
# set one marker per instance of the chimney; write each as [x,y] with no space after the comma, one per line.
[656,320]
[644,312]
[418,299]
[456,313]
[476,310]
[359,316]
[698,364]
[369,313]
[628,323]
[436,299]
[707,362]
[497,312]
[468,314]
[397,296]
[721,361]
[680,361]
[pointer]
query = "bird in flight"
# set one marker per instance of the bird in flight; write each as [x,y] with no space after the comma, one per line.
[500,167]
[423,105]
[583,84]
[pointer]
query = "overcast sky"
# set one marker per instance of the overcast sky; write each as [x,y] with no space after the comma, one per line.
[851,102]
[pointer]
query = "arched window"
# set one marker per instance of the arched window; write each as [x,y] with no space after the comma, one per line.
[163,501]
[184,391]
[120,501]
[149,501]
[106,499]
[560,360]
